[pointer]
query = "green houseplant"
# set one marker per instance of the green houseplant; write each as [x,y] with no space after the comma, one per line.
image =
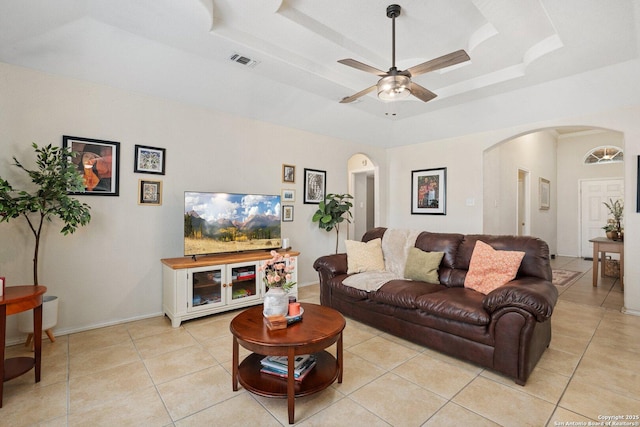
[614,225]
[54,177]
[333,210]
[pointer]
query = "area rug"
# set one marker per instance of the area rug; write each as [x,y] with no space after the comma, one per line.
[565,277]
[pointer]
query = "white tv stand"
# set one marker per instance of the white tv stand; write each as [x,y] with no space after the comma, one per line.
[204,285]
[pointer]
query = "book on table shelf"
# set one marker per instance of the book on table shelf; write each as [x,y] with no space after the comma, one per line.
[281,374]
[277,365]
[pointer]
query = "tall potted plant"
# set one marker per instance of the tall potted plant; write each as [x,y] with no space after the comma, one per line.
[54,177]
[332,211]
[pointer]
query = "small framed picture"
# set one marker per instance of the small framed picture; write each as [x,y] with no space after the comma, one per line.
[288,195]
[287,213]
[2,278]
[99,163]
[315,186]
[429,191]
[149,160]
[545,194]
[288,173]
[150,192]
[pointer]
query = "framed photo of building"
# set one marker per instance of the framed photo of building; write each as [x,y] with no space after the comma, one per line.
[287,213]
[545,194]
[99,163]
[289,173]
[315,186]
[149,160]
[429,191]
[149,192]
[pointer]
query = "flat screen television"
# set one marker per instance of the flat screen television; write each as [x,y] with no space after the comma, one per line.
[229,222]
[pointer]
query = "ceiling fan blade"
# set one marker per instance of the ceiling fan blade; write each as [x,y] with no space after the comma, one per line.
[444,61]
[348,99]
[361,66]
[421,93]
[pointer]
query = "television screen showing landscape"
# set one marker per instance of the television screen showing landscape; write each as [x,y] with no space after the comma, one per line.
[227,222]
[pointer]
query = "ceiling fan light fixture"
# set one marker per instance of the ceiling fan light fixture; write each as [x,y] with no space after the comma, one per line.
[394,88]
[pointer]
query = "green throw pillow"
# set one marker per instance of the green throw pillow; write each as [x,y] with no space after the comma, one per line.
[423,265]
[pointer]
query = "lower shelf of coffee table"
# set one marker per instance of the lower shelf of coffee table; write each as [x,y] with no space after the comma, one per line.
[320,377]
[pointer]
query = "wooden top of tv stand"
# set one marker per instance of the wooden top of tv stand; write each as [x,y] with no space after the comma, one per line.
[227,258]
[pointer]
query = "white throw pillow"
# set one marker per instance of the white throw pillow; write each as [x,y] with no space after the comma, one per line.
[363,256]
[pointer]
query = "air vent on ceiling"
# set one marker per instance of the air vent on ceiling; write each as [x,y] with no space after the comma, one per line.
[241,59]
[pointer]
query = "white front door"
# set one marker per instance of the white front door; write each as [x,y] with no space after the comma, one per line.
[593,213]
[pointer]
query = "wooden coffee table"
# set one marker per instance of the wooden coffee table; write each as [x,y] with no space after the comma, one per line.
[320,327]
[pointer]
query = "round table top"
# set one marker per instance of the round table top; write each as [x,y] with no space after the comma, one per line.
[14,294]
[318,323]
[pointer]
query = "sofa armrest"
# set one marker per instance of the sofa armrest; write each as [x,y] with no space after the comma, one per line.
[529,293]
[331,265]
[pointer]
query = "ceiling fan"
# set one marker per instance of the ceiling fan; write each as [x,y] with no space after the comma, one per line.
[396,84]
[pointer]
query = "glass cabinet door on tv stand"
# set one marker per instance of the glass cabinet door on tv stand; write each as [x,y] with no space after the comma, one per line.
[244,283]
[206,287]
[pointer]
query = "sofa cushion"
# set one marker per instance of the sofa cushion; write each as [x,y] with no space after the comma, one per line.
[460,304]
[423,265]
[363,256]
[489,269]
[403,293]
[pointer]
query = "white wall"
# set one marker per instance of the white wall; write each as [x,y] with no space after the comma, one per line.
[535,153]
[463,156]
[463,159]
[571,169]
[110,271]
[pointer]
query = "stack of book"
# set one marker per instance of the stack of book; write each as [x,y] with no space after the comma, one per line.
[277,366]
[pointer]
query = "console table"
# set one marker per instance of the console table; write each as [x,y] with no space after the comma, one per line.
[17,299]
[602,245]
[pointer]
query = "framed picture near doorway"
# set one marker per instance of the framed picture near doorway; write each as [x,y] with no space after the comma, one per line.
[315,186]
[429,191]
[545,194]
[638,187]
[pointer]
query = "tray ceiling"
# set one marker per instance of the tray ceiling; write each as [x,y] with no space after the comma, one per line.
[181,50]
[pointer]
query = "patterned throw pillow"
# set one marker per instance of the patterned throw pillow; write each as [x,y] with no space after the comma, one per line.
[489,269]
[363,256]
[423,266]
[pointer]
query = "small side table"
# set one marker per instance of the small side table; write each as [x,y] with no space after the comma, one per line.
[15,300]
[320,327]
[602,245]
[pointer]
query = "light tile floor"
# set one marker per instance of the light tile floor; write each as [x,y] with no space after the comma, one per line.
[146,373]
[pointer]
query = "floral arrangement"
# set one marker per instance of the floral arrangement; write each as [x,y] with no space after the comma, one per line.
[278,271]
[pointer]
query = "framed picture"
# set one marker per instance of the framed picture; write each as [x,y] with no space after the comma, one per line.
[315,186]
[288,195]
[545,193]
[429,191]
[149,192]
[287,213]
[288,173]
[149,160]
[638,187]
[99,163]
[2,283]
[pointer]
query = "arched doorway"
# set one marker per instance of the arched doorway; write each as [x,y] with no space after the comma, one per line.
[554,159]
[365,189]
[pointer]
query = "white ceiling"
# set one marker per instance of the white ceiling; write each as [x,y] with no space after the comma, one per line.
[523,53]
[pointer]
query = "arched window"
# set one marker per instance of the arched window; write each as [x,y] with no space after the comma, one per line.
[604,154]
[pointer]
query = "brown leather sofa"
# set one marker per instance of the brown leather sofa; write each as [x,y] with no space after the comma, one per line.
[506,330]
